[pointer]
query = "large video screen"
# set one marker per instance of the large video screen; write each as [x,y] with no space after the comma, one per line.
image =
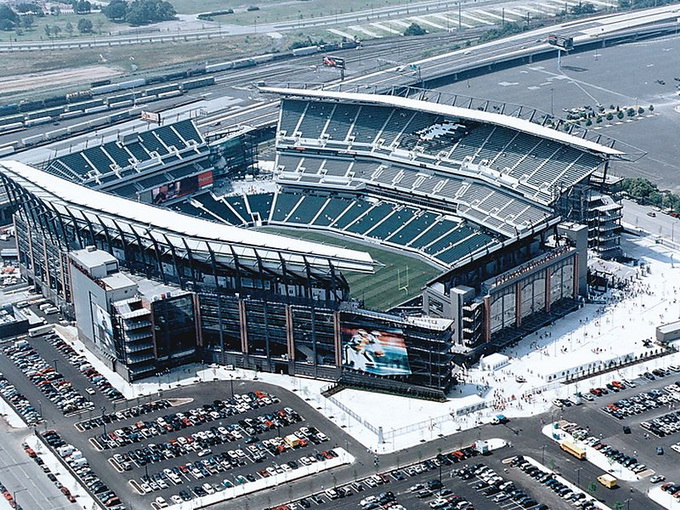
[180,188]
[375,349]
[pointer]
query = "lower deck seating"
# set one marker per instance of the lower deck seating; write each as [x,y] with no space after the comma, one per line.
[430,233]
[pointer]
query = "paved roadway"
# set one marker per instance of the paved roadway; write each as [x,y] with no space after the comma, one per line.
[527,439]
[22,476]
[523,433]
[661,224]
[210,30]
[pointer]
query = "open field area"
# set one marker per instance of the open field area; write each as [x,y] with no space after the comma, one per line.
[38,31]
[121,58]
[389,285]
[274,12]
[287,8]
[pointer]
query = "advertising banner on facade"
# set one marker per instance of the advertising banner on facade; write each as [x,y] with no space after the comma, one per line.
[375,349]
[103,328]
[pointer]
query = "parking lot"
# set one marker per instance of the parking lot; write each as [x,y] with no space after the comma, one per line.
[459,480]
[160,449]
[204,439]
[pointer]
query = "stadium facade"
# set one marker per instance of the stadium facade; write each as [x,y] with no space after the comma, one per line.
[482,197]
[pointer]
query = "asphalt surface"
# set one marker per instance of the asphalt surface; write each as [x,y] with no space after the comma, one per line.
[524,434]
[527,439]
[198,395]
[640,216]
[624,75]
[23,477]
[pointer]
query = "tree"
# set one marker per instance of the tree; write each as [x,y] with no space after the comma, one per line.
[83,7]
[29,7]
[69,28]
[583,8]
[27,21]
[56,30]
[85,26]
[116,10]
[100,24]
[141,12]
[7,13]
[48,31]
[415,29]
[6,25]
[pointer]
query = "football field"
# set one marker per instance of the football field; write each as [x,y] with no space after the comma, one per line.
[397,276]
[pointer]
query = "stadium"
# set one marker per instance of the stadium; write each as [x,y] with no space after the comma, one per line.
[400,238]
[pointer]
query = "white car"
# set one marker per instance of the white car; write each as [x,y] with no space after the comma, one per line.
[367,501]
[160,501]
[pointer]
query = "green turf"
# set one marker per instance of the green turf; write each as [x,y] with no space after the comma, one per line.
[281,9]
[385,287]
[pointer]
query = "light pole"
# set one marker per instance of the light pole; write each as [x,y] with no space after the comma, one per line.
[552,102]
[56,369]
[578,477]
[231,383]
[543,455]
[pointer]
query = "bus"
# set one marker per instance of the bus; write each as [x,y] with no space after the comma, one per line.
[571,448]
[40,330]
[608,481]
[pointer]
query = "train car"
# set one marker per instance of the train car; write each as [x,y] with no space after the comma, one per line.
[37,122]
[145,99]
[329,46]
[97,109]
[172,93]
[101,121]
[100,83]
[55,101]
[201,82]
[175,76]
[54,112]
[261,59]
[74,97]
[111,100]
[196,72]
[243,62]
[152,80]
[159,90]
[12,120]
[122,104]
[6,150]
[56,134]
[307,50]
[348,45]
[32,140]
[9,109]
[222,66]
[8,128]
[85,105]
[106,89]
[71,114]
[29,106]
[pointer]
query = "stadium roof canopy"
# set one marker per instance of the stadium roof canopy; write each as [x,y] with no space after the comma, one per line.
[498,119]
[180,230]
